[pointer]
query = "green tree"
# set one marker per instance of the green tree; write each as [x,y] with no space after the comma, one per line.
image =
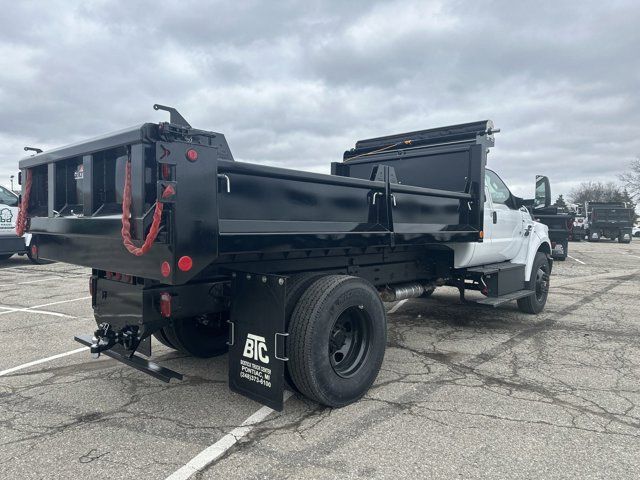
[560,203]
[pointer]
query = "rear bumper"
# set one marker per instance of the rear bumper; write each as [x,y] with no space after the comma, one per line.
[12,244]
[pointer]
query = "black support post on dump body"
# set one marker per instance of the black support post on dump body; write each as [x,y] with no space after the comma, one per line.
[87,185]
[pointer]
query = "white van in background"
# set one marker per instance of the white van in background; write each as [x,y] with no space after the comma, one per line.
[10,243]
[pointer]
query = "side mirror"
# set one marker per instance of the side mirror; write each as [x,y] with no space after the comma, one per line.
[543,192]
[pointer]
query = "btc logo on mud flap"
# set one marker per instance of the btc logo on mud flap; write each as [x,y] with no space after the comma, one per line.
[256,348]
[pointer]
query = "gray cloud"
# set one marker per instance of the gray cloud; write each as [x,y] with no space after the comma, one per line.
[296,83]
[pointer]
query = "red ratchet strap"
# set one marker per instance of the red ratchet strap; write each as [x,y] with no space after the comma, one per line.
[126,214]
[21,221]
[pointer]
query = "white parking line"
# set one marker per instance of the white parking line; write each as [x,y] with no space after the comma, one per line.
[35,308]
[215,451]
[31,310]
[28,283]
[44,360]
[395,308]
[579,261]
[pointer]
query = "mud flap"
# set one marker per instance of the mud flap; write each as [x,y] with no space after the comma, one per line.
[257,338]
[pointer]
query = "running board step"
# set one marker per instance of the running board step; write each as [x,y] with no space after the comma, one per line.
[139,363]
[495,301]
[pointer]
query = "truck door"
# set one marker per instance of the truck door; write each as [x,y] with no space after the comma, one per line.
[505,219]
[8,212]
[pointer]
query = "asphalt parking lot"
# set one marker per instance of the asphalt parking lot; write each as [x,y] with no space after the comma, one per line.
[465,391]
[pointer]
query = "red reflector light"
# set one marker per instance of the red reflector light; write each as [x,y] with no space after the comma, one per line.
[165,269]
[185,263]
[34,251]
[166,171]
[192,155]
[165,304]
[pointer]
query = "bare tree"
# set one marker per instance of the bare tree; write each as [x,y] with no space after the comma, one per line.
[596,192]
[631,179]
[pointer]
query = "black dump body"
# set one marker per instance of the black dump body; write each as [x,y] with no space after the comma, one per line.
[560,228]
[610,216]
[405,191]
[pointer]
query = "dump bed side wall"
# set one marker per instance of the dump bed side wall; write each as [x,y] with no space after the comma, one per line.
[450,177]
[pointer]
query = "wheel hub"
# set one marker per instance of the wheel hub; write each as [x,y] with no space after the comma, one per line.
[349,341]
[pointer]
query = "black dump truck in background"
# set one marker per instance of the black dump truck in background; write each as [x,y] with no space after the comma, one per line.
[579,230]
[560,223]
[609,219]
[285,269]
[560,229]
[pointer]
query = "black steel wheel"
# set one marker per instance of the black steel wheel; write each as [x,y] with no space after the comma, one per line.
[539,283]
[349,341]
[203,337]
[337,340]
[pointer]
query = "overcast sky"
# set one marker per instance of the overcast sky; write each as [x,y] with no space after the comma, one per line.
[296,83]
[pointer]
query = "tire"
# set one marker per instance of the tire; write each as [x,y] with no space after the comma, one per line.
[565,252]
[296,286]
[338,336]
[161,336]
[5,257]
[427,293]
[33,256]
[201,337]
[539,282]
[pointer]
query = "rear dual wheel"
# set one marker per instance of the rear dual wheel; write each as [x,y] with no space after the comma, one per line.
[337,340]
[203,337]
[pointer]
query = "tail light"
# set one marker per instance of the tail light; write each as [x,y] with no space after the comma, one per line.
[165,304]
[185,263]
[192,155]
[92,286]
[166,171]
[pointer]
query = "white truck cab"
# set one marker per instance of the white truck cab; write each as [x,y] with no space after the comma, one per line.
[512,239]
[510,233]
[10,244]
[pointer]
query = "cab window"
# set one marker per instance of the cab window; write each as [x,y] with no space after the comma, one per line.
[497,189]
[8,198]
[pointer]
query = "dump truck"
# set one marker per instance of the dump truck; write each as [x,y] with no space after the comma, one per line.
[613,220]
[285,270]
[560,222]
[579,230]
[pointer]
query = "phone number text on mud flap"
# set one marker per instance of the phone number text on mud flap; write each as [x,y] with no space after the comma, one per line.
[255,373]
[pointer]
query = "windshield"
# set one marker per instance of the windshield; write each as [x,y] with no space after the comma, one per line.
[8,198]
